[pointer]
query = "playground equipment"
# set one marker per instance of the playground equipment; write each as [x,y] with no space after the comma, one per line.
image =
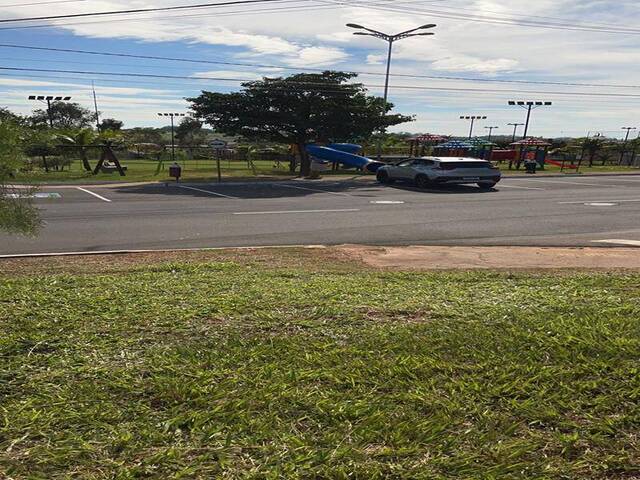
[453,148]
[344,153]
[530,148]
[419,146]
[481,148]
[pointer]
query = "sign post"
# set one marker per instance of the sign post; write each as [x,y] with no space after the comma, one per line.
[218,146]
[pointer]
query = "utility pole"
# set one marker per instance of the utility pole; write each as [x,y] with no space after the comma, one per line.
[515,130]
[390,39]
[173,142]
[491,129]
[473,118]
[47,99]
[624,145]
[95,104]
[529,106]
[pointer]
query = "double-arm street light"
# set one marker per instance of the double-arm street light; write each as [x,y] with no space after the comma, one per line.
[624,145]
[473,119]
[390,39]
[173,142]
[528,106]
[47,100]
[515,129]
[491,129]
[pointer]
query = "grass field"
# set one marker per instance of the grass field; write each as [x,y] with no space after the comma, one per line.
[301,364]
[206,171]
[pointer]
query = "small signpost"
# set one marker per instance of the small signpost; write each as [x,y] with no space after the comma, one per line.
[218,145]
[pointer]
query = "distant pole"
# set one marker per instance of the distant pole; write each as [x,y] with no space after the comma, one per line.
[526,125]
[49,113]
[473,118]
[173,143]
[95,104]
[491,129]
[47,100]
[515,130]
[624,145]
[390,39]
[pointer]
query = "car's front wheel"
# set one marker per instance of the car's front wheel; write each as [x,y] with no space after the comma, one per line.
[383,177]
[487,185]
[422,181]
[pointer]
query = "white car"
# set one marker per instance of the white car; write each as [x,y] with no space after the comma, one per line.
[431,171]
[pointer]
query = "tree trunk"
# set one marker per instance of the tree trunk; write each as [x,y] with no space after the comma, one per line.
[85,160]
[305,161]
[44,162]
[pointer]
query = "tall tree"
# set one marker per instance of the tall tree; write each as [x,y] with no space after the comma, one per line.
[189,132]
[299,109]
[63,115]
[111,124]
[17,213]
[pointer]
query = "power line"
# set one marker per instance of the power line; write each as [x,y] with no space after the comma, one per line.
[570,25]
[42,3]
[289,83]
[286,9]
[283,67]
[140,10]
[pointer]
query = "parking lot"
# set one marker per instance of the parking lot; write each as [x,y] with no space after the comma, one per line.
[555,211]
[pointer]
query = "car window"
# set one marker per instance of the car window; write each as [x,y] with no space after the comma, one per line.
[406,163]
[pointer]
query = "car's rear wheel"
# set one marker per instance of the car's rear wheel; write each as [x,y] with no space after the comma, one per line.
[486,185]
[422,181]
[383,177]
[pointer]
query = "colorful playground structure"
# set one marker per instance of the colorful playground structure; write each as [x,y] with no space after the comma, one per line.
[343,153]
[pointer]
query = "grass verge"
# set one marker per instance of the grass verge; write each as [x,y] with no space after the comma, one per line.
[299,364]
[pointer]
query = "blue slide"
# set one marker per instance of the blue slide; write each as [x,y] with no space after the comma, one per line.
[344,153]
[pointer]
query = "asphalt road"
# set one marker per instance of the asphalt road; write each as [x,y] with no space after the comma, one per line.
[567,211]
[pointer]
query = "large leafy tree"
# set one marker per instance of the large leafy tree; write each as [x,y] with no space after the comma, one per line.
[64,115]
[111,124]
[299,109]
[17,213]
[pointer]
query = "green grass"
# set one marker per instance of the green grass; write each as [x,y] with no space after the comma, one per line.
[145,171]
[290,364]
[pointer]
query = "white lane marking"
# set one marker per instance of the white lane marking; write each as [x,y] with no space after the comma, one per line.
[285,212]
[207,191]
[567,182]
[601,204]
[631,243]
[387,202]
[617,179]
[316,190]
[94,194]
[586,202]
[514,186]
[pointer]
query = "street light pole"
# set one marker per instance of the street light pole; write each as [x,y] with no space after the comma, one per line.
[47,99]
[491,129]
[515,130]
[173,143]
[529,106]
[473,118]
[390,39]
[624,145]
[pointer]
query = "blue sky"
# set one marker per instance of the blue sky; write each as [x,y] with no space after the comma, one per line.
[311,34]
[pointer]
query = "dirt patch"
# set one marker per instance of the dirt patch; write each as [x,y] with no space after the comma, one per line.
[454,258]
